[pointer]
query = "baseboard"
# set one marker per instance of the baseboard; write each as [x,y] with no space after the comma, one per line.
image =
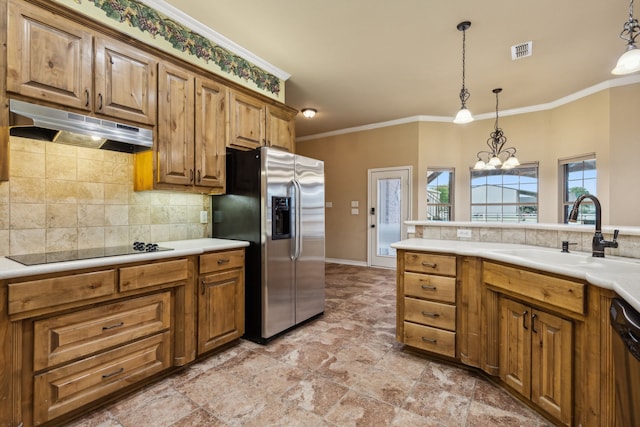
[347,262]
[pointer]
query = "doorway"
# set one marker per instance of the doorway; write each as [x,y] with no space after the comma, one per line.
[389,207]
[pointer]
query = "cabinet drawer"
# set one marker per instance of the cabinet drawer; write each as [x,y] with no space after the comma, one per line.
[25,296]
[430,339]
[430,263]
[430,313]
[559,292]
[64,338]
[69,387]
[221,261]
[430,287]
[142,276]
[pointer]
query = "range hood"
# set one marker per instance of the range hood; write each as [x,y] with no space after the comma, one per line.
[50,124]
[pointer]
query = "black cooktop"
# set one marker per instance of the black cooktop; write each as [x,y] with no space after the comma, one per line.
[74,255]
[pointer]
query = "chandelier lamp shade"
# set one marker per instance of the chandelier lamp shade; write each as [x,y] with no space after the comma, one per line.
[629,62]
[497,156]
[464,115]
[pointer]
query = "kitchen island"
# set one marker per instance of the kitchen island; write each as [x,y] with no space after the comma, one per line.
[85,332]
[533,318]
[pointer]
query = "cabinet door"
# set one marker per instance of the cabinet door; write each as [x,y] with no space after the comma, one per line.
[48,57]
[515,345]
[125,82]
[551,364]
[210,133]
[220,309]
[175,126]
[281,128]
[246,122]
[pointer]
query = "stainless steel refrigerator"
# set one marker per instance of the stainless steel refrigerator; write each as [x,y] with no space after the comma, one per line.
[275,200]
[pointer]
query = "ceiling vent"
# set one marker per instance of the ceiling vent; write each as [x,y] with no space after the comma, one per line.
[521,50]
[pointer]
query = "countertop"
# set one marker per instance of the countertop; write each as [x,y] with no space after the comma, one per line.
[617,273]
[11,269]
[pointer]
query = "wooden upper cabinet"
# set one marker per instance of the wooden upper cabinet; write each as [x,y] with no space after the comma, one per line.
[246,122]
[53,59]
[210,133]
[175,125]
[281,128]
[48,57]
[125,82]
[192,117]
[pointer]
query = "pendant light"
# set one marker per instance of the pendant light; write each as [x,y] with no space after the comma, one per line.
[629,62]
[497,156]
[464,115]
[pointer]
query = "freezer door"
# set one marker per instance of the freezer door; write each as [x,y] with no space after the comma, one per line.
[310,261]
[278,293]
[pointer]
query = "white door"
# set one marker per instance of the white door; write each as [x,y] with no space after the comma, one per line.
[389,207]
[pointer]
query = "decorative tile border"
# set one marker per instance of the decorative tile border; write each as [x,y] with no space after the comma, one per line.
[147,19]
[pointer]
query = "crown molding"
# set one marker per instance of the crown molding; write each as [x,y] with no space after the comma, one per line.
[621,81]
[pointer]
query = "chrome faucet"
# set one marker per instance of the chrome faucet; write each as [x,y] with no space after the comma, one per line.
[598,243]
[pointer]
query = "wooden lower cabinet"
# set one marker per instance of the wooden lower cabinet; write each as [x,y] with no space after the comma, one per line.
[426,297]
[536,357]
[221,299]
[71,386]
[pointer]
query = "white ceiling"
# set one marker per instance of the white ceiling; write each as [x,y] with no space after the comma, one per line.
[360,62]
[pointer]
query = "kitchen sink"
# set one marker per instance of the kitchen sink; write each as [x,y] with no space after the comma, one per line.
[562,259]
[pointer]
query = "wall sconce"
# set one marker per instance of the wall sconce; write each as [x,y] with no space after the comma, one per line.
[309,112]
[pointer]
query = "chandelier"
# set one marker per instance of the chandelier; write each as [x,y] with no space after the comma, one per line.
[497,156]
[629,62]
[464,115]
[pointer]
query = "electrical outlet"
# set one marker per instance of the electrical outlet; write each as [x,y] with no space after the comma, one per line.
[204,217]
[464,233]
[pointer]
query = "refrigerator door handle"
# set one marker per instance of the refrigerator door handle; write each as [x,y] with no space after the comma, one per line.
[297,236]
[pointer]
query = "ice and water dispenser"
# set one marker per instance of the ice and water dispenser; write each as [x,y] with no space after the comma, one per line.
[280,218]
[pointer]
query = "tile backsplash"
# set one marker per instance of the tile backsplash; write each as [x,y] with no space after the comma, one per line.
[61,197]
[545,235]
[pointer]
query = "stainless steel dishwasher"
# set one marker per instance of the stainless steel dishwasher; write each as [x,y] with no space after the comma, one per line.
[625,321]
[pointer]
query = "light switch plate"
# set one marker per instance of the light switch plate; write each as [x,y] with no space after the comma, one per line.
[328,205]
[204,217]
[355,204]
[355,211]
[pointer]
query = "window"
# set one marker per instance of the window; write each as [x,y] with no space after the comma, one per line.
[578,176]
[505,195]
[440,194]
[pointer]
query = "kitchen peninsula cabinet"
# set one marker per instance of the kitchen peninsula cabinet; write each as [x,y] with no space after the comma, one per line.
[426,297]
[52,59]
[536,356]
[192,109]
[543,336]
[221,299]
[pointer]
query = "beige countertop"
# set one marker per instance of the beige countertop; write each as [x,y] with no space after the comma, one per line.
[10,269]
[617,273]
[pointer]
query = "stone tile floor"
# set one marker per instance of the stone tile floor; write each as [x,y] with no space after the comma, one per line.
[342,369]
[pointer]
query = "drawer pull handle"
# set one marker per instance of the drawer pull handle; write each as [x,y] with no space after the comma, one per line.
[117,325]
[429,340]
[223,261]
[428,287]
[119,371]
[427,314]
[429,264]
